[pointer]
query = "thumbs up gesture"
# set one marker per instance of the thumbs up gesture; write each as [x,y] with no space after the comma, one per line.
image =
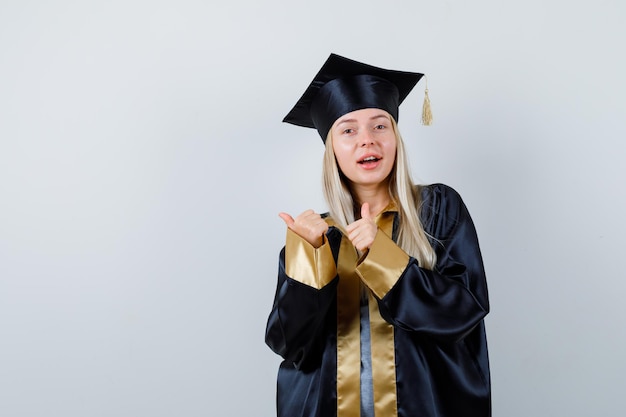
[309,225]
[363,231]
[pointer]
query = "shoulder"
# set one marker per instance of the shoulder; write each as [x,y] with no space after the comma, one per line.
[437,194]
[441,208]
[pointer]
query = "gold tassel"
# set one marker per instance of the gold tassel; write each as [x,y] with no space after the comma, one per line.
[427,114]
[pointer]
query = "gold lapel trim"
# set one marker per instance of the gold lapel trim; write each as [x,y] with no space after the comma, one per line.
[349,336]
[383,348]
[348,333]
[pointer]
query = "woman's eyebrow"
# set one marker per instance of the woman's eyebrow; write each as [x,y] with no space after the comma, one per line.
[378,116]
[346,121]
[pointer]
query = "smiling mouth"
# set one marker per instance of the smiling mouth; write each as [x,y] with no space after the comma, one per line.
[369,159]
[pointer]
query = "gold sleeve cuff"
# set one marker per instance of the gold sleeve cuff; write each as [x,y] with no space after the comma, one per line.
[308,265]
[383,265]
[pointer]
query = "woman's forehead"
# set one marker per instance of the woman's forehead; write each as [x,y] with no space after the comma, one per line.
[362,115]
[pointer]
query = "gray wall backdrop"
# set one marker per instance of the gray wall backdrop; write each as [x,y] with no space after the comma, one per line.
[143,163]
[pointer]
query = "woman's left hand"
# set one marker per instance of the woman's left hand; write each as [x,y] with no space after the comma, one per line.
[363,231]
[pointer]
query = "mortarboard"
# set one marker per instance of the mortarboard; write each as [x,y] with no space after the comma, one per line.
[342,86]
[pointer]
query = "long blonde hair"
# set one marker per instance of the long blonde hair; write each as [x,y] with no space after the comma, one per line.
[411,235]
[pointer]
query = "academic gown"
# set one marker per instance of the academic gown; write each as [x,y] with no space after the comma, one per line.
[428,342]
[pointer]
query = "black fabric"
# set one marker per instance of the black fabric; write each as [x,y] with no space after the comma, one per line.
[442,367]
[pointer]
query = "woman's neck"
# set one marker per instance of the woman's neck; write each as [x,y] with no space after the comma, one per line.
[377,197]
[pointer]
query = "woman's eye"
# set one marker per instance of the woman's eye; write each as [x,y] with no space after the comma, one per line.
[348,131]
[380,127]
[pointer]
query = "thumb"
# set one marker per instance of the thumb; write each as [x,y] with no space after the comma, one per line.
[365,211]
[289,221]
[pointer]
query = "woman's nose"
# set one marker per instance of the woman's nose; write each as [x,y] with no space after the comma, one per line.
[366,139]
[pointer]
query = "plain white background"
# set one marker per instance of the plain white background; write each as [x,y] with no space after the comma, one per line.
[143,163]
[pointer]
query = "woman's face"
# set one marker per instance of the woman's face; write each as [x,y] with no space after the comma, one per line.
[365,146]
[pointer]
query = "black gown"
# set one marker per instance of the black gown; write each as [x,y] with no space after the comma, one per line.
[429,347]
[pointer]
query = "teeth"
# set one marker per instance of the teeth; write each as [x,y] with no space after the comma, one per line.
[370,158]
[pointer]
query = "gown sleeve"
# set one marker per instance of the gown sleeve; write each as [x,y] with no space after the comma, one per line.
[445,303]
[306,290]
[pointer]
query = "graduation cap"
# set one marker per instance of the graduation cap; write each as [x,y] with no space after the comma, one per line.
[343,85]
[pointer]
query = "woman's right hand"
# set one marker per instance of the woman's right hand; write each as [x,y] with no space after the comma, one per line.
[309,225]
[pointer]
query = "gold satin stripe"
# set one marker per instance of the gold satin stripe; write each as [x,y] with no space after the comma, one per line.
[348,333]
[385,221]
[383,363]
[306,264]
[330,221]
[383,265]
[383,345]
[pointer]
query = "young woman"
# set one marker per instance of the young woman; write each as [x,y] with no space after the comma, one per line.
[380,303]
